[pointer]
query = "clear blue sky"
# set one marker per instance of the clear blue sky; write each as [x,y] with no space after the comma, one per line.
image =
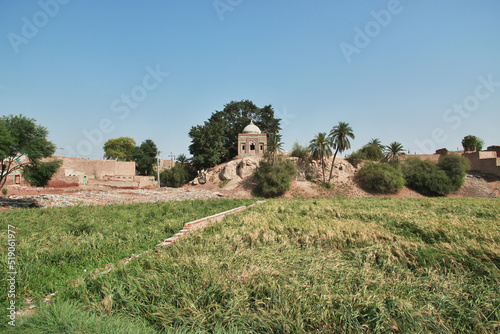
[71,64]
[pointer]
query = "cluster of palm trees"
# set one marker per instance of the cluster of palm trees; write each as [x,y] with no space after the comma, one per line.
[321,145]
[390,153]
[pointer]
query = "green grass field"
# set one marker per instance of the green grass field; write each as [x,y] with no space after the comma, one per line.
[285,266]
[55,246]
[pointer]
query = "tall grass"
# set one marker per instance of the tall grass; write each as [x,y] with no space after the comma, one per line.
[343,266]
[56,246]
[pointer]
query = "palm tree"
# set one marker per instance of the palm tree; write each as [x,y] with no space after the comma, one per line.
[375,142]
[320,148]
[393,151]
[274,146]
[339,139]
[182,159]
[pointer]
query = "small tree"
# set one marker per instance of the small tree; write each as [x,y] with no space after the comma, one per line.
[120,149]
[176,176]
[145,158]
[23,144]
[471,143]
[301,152]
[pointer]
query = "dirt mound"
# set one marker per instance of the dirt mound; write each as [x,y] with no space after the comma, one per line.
[235,179]
[479,185]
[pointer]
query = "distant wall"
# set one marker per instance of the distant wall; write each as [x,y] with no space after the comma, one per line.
[487,162]
[77,171]
[432,157]
[95,169]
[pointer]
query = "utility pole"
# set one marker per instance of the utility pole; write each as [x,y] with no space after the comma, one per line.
[62,150]
[172,157]
[158,167]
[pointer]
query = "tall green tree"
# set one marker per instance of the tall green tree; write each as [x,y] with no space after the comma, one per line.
[216,140]
[145,158]
[471,143]
[339,139]
[120,149]
[393,151]
[320,149]
[23,144]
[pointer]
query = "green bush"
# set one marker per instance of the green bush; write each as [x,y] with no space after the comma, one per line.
[176,176]
[426,177]
[381,177]
[368,152]
[301,152]
[355,158]
[273,179]
[373,152]
[455,167]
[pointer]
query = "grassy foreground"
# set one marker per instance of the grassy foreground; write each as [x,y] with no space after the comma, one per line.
[325,266]
[55,246]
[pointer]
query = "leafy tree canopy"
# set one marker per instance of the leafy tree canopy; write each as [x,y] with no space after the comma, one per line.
[22,144]
[216,140]
[471,143]
[145,158]
[120,149]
